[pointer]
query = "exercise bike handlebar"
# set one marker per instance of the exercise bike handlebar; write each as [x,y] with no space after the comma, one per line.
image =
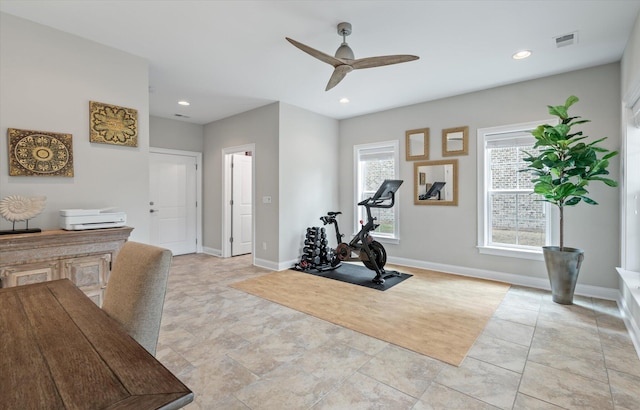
[379,202]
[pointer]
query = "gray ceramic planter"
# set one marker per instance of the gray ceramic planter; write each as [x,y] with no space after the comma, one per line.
[563,268]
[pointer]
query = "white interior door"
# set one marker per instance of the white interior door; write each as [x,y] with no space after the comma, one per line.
[241,216]
[172,206]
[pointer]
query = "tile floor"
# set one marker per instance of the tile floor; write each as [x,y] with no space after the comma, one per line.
[237,351]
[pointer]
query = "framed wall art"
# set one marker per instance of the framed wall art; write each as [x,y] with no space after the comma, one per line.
[417,144]
[111,124]
[455,141]
[40,153]
[440,183]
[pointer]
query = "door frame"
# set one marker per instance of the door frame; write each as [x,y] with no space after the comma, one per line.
[226,197]
[198,158]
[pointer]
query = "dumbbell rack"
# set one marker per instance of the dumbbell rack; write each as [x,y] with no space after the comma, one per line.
[315,253]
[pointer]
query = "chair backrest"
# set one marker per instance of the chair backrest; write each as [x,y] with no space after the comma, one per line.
[136,289]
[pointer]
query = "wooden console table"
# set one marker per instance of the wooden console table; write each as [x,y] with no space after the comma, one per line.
[84,257]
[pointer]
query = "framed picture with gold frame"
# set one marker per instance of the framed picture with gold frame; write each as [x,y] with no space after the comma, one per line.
[40,153]
[111,124]
[439,186]
[417,144]
[455,141]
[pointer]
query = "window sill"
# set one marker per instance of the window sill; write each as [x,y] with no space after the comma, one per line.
[512,253]
[386,239]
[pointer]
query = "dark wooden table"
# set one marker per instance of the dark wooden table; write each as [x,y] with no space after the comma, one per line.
[58,350]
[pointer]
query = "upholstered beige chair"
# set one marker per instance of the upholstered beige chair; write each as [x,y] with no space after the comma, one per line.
[135,292]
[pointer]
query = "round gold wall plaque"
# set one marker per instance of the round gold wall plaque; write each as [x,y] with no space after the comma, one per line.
[41,153]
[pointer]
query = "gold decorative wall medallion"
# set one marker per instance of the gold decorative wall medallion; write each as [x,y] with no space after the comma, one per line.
[40,153]
[110,124]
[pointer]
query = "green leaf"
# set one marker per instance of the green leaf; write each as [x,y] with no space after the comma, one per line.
[572,99]
[570,136]
[566,189]
[611,154]
[579,122]
[589,201]
[538,132]
[573,201]
[537,163]
[543,188]
[562,129]
[607,181]
[558,111]
[581,191]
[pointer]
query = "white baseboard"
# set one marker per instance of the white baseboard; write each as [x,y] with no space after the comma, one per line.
[538,283]
[287,265]
[263,263]
[212,251]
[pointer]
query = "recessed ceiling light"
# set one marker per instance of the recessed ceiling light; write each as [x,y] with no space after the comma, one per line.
[521,54]
[183,102]
[344,100]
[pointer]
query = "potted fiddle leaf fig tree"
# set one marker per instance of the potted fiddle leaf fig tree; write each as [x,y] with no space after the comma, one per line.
[562,168]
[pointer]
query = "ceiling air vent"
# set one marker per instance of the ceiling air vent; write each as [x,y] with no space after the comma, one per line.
[181,115]
[566,39]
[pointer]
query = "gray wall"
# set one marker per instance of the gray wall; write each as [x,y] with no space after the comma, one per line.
[174,134]
[631,59]
[308,176]
[259,127]
[295,164]
[447,235]
[47,79]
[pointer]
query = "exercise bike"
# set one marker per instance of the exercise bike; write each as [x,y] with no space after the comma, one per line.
[369,251]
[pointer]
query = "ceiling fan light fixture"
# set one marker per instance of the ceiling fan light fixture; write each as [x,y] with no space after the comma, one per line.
[344,52]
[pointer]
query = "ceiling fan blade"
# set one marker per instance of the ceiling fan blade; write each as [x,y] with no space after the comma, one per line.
[317,54]
[338,74]
[369,62]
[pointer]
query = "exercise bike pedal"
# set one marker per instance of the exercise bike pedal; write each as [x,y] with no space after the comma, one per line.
[391,274]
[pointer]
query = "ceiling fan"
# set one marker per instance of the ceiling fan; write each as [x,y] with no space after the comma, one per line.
[344,61]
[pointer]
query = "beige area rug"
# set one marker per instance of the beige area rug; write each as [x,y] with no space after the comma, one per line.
[432,313]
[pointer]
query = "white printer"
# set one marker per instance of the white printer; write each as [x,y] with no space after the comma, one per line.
[80,219]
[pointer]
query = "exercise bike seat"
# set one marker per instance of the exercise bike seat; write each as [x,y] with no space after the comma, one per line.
[333,213]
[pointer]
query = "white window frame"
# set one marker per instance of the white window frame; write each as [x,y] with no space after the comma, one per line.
[394,145]
[484,172]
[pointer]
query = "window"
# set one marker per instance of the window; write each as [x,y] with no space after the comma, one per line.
[512,221]
[373,164]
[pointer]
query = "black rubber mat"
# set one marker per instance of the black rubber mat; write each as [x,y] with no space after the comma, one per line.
[358,274]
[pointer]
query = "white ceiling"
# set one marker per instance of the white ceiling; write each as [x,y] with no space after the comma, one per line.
[226,57]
